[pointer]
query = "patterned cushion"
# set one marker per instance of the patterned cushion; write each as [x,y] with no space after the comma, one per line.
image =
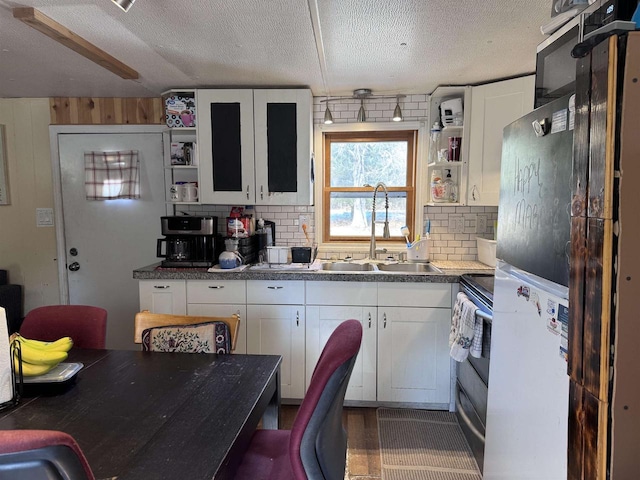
[210,337]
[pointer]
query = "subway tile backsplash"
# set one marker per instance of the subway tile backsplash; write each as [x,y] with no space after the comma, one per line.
[453,229]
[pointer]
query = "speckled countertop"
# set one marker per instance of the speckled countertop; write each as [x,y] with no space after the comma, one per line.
[451,271]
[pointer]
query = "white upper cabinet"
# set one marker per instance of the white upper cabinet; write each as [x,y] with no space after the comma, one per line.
[493,107]
[255,146]
[283,146]
[225,144]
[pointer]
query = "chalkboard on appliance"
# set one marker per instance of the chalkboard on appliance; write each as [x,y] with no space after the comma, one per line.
[535,192]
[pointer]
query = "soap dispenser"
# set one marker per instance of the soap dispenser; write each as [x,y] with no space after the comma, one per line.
[451,189]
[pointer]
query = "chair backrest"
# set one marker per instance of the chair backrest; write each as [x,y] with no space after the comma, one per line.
[146,319]
[318,442]
[40,454]
[210,337]
[86,325]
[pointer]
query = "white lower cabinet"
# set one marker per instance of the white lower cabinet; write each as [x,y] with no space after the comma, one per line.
[404,357]
[321,322]
[276,326]
[413,355]
[279,330]
[413,343]
[220,299]
[337,302]
[163,296]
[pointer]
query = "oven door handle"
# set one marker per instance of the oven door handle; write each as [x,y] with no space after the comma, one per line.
[484,316]
[465,417]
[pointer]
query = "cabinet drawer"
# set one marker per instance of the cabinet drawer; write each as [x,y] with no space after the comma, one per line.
[341,293]
[216,291]
[414,294]
[275,292]
[163,296]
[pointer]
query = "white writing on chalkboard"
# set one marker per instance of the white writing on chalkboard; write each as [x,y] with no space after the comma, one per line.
[526,175]
[528,184]
[527,215]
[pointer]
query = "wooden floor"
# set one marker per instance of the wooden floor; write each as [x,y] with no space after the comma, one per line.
[363,450]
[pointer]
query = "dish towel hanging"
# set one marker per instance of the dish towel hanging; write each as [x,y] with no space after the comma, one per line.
[465,335]
[112,175]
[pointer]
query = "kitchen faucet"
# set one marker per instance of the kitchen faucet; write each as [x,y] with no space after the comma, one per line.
[385,232]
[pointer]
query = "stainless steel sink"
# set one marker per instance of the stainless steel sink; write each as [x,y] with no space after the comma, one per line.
[348,267]
[409,268]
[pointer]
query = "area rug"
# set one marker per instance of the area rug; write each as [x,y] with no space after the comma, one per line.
[423,445]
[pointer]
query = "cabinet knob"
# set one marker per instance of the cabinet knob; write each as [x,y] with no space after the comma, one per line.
[384,320]
[261,192]
[297,318]
[161,286]
[369,320]
[217,287]
[247,192]
[274,287]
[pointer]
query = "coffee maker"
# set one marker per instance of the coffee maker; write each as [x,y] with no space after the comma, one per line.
[190,241]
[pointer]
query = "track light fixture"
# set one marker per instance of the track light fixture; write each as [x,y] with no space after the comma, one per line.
[397,113]
[125,5]
[328,118]
[362,94]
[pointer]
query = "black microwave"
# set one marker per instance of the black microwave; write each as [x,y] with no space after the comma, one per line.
[555,67]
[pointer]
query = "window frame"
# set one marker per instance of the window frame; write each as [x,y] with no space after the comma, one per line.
[408,133]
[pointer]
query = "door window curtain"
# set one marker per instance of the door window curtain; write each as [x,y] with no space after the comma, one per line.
[112,175]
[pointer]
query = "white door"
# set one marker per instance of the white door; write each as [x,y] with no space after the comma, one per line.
[106,240]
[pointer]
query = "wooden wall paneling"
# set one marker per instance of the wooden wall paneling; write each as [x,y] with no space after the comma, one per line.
[581,138]
[106,111]
[60,111]
[575,446]
[577,267]
[602,128]
[625,398]
[596,340]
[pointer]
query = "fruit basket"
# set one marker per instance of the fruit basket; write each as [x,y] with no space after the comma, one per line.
[37,363]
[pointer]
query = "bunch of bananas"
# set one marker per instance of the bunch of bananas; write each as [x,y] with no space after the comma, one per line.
[39,357]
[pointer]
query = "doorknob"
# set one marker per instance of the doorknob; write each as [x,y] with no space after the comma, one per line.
[74,267]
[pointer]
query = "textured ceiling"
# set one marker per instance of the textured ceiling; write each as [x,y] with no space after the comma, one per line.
[331,46]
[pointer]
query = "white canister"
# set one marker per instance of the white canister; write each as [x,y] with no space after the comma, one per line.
[190,192]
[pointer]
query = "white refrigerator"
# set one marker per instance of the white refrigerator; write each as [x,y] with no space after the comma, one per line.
[528,399]
[527,410]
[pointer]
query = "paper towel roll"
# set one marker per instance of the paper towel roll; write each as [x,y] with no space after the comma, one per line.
[6,377]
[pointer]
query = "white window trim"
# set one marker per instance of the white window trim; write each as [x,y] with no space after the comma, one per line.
[420,178]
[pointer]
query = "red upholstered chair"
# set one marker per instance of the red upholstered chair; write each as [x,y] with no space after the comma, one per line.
[40,455]
[316,446]
[86,325]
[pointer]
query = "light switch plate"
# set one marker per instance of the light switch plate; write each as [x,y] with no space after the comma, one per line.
[456,224]
[44,217]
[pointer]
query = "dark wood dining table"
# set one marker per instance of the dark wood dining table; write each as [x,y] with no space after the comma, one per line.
[141,415]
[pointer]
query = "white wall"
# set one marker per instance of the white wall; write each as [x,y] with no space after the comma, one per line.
[26,251]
